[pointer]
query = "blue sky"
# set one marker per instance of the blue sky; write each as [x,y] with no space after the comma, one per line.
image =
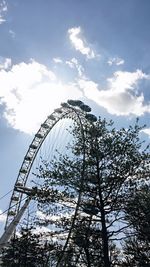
[95,50]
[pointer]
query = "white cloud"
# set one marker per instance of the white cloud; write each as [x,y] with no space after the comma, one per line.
[2,217]
[12,33]
[124,80]
[73,63]
[146,131]
[70,64]
[3,10]
[29,92]
[5,63]
[115,61]
[57,60]
[45,217]
[120,98]
[80,44]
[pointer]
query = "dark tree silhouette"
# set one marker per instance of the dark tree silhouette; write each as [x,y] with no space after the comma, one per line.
[27,251]
[85,193]
[137,246]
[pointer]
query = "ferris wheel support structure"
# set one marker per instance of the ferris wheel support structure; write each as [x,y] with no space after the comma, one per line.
[11,228]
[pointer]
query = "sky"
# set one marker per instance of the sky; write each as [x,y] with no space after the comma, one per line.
[50,51]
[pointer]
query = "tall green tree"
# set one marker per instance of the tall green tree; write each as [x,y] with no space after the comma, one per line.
[85,192]
[137,246]
[27,250]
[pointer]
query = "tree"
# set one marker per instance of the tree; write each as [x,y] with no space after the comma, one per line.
[85,192]
[137,246]
[26,251]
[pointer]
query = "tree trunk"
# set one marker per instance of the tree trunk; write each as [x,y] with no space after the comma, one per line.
[103,221]
[104,233]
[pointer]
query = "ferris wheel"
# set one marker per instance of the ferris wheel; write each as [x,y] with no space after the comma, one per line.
[45,143]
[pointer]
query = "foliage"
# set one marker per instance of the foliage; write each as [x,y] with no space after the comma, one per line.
[94,201]
[85,192]
[137,247]
[26,251]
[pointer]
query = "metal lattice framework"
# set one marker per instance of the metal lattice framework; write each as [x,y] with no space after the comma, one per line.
[73,109]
